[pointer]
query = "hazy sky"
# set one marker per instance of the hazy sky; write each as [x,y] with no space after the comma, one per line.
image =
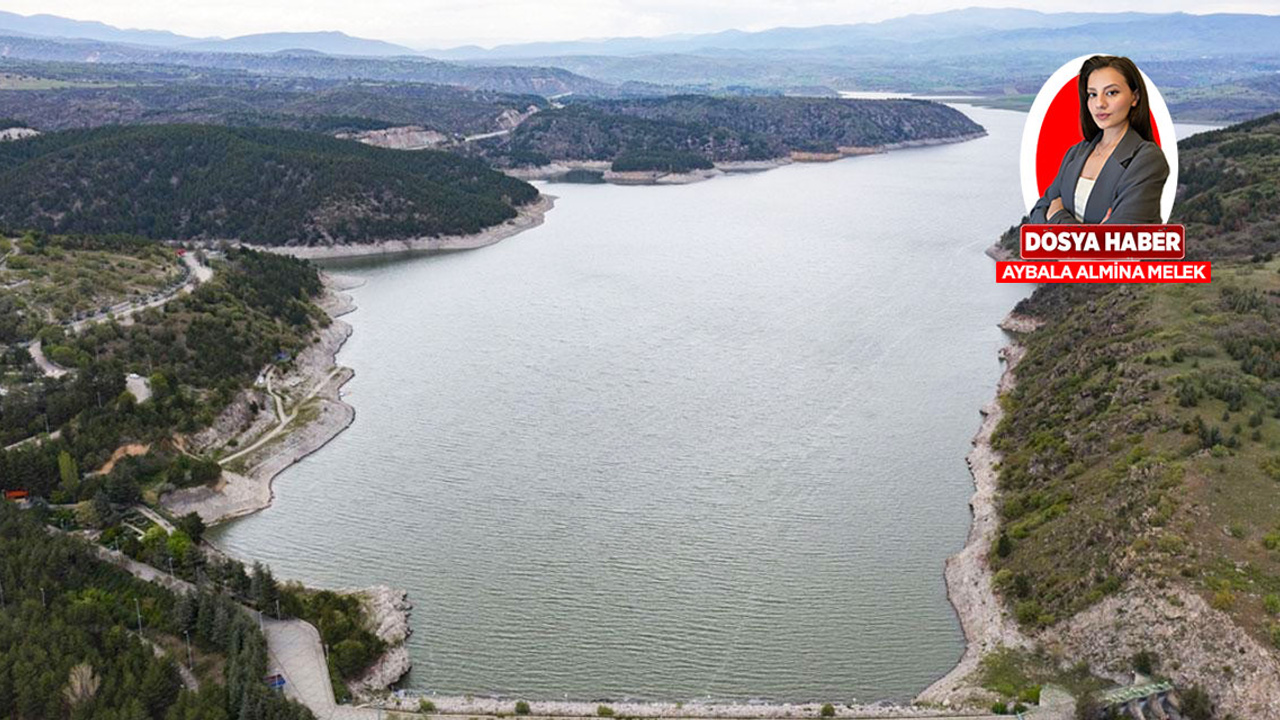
[444,23]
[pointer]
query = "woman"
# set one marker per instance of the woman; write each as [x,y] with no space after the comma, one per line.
[1116,175]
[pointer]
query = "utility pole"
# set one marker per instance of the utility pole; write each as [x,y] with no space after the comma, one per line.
[171,566]
[42,600]
[190,663]
[137,608]
[277,608]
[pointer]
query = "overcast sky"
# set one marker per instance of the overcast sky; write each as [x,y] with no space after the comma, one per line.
[446,23]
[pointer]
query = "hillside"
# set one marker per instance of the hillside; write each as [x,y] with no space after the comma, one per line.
[1142,451]
[533,79]
[725,128]
[320,106]
[70,629]
[274,187]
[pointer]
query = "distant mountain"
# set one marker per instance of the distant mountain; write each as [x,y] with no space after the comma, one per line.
[330,43]
[544,81]
[868,37]
[54,26]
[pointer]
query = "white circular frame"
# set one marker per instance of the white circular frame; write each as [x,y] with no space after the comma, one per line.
[1040,108]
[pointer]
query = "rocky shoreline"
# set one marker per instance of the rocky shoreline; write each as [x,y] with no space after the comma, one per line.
[317,379]
[387,613]
[527,217]
[557,169]
[470,706]
[986,624]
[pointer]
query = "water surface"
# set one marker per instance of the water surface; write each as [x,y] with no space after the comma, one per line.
[677,442]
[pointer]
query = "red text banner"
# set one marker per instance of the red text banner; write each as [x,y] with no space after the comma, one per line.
[1103,242]
[1102,272]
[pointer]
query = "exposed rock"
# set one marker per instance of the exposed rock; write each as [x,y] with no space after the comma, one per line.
[387,610]
[1195,644]
[17,133]
[408,137]
[986,623]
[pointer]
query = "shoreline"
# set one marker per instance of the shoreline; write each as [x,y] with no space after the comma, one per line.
[475,706]
[968,577]
[527,217]
[556,169]
[986,625]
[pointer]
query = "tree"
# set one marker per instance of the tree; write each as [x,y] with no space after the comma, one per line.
[68,472]
[193,526]
[184,612]
[1004,546]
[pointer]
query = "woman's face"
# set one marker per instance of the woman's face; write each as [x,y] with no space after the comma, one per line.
[1109,97]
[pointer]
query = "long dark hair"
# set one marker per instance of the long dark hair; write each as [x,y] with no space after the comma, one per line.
[1139,115]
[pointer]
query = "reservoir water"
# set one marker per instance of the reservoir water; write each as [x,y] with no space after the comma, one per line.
[677,442]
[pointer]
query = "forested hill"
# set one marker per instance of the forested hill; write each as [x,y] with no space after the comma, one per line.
[1141,451]
[268,186]
[725,128]
[1229,190]
[295,104]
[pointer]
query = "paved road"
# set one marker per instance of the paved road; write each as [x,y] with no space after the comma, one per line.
[197,275]
[36,349]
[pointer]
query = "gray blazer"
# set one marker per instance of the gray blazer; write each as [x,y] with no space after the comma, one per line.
[1129,184]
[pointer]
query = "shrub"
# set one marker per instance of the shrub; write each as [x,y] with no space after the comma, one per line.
[828,710]
[1272,604]
[604,711]
[1000,709]
[1030,695]
[1144,661]
[522,707]
[426,706]
[1196,704]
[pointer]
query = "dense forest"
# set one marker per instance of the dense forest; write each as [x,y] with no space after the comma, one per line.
[268,186]
[80,638]
[301,104]
[722,128]
[197,351]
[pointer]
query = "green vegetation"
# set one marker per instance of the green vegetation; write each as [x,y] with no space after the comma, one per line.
[426,706]
[604,711]
[197,351]
[56,281]
[522,707]
[313,105]
[828,710]
[70,623]
[1143,436]
[654,133]
[1230,199]
[1017,676]
[669,162]
[265,186]
[343,627]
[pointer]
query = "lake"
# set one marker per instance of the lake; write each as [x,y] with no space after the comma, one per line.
[676,443]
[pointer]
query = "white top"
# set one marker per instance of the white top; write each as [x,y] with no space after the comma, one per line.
[1083,188]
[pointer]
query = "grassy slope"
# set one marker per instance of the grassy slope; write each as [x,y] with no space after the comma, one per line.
[1143,438]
